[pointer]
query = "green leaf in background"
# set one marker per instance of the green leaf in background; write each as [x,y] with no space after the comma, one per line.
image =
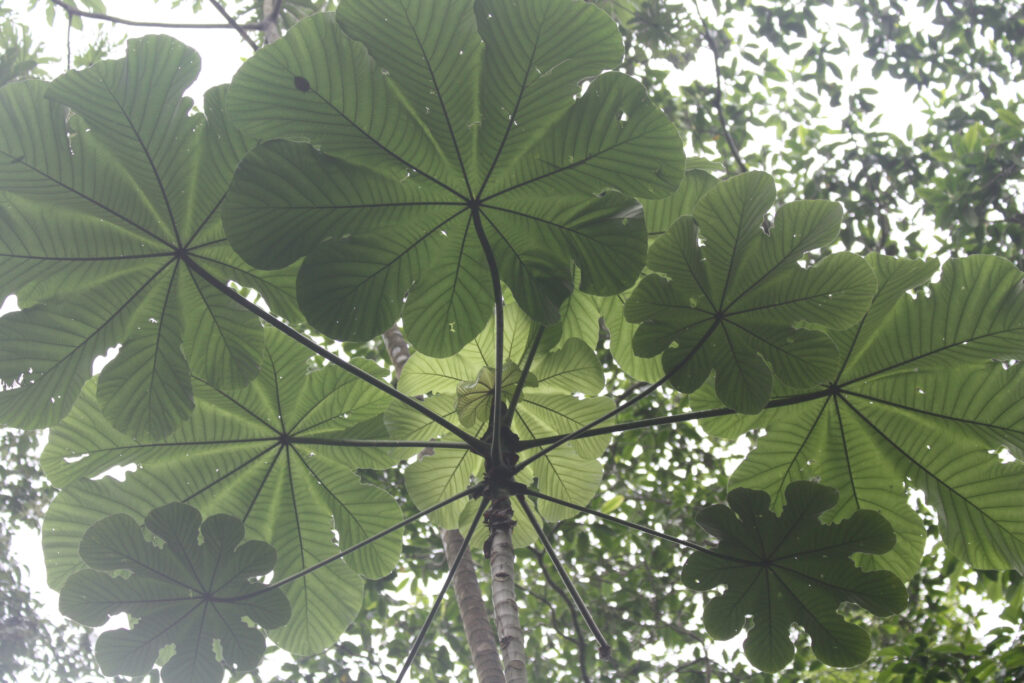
[792,568]
[427,135]
[105,214]
[916,401]
[737,302]
[280,454]
[185,593]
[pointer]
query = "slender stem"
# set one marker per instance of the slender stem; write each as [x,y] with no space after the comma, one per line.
[150,24]
[444,589]
[675,419]
[361,544]
[499,335]
[358,443]
[604,648]
[525,370]
[643,394]
[626,523]
[234,24]
[68,40]
[472,442]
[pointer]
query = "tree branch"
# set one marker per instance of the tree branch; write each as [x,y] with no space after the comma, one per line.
[706,33]
[74,11]
[234,24]
[271,29]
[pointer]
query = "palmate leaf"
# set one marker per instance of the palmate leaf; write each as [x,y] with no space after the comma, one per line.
[183,593]
[659,215]
[279,454]
[429,132]
[916,401]
[547,407]
[105,213]
[792,568]
[735,295]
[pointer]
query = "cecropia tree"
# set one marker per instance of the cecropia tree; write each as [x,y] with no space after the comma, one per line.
[479,174]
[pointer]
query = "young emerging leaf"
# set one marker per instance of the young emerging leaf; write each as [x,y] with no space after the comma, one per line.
[280,454]
[791,568]
[107,211]
[738,303]
[435,143]
[473,399]
[185,593]
[547,407]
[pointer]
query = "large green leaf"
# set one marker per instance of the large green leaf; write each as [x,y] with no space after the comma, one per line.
[916,401]
[181,593]
[792,568]
[738,303]
[279,454]
[426,134]
[106,212]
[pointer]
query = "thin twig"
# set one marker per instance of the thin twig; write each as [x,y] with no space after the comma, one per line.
[69,41]
[444,589]
[148,24]
[234,24]
[718,98]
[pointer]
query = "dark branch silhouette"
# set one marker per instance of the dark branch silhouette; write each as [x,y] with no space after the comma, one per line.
[234,24]
[74,11]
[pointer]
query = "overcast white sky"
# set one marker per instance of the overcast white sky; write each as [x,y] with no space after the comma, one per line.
[222,50]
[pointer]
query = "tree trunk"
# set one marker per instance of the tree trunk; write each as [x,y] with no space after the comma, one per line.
[503,591]
[271,27]
[479,632]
